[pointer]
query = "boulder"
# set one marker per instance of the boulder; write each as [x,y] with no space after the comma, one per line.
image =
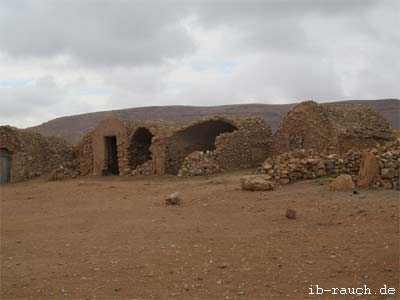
[173,199]
[256,183]
[369,170]
[343,182]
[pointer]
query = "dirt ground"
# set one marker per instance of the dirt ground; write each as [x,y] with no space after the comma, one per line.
[114,238]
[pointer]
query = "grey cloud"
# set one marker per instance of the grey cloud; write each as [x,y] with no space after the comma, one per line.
[93,32]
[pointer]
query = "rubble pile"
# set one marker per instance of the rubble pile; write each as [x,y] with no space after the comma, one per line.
[146,168]
[309,164]
[199,163]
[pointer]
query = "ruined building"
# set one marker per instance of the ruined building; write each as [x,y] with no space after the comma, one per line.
[229,142]
[123,147]
[26,155]
[310,125]
[116,146]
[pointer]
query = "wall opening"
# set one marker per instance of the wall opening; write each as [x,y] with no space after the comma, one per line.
[296,141]
[110,156]
[199,137]
[5,165]
[139,148]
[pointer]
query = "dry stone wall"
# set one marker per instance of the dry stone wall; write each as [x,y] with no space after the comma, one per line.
[309,164]
[336,127]
[34,155]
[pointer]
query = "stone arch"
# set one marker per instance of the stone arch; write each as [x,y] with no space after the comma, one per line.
[200,136]
[139,147]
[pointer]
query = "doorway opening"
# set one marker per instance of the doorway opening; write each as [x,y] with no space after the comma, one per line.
[5,165]
[140,147]
[111,156]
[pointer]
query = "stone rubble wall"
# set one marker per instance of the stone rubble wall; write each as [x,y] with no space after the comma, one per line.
[34,155]
[336,127]
[309,164]
[85,155]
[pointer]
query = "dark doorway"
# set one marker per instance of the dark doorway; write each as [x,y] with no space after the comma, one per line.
[111,156]
[140,147]
[5,165]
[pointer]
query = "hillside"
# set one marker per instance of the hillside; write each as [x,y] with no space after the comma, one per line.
[72,128]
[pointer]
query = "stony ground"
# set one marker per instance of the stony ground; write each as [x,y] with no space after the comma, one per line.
[114,238]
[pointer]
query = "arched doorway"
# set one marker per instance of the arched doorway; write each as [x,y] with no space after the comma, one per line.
[139,148]
[5,165]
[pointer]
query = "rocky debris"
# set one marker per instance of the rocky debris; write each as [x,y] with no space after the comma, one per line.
[343,182]
[68,170]
[290,214]
[309,164]
[147,168]
[199,163]
[173,199]
[256,183]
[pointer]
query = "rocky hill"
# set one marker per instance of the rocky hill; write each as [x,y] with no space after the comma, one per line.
[72,128]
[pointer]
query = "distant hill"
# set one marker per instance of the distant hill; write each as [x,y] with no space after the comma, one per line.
[72,128]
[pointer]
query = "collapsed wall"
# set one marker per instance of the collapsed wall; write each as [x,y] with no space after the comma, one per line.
[221,143]
[337,127]
[27,155]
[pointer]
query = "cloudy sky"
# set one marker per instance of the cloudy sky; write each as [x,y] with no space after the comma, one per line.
[66,57]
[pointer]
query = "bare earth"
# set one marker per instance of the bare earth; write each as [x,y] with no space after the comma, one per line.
[114,238]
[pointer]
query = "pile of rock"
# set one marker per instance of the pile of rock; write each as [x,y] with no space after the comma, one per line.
[200,163]
[308,164]
[147,168]
[68,170]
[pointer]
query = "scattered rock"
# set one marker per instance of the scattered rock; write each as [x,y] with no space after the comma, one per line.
[173,199]
[291,214]
[256,183]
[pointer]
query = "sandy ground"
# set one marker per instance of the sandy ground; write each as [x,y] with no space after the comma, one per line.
[114,238]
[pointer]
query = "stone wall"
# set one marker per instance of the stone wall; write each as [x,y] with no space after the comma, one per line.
[309,164]
[34,155]
[231,142]
[85,154]
[337,127]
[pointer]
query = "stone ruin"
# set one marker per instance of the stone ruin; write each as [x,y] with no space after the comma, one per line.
[215,144]
[121,147]
[309,164]
[313,140]
[26,155]
[333,127]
